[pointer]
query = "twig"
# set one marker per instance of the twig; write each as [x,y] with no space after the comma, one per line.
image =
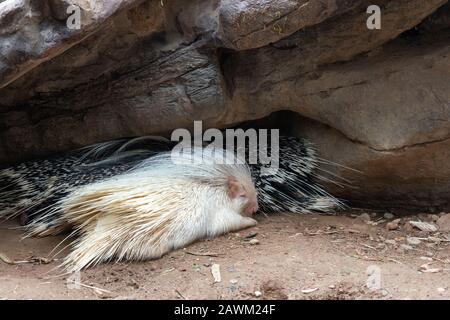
[206,254]
[179,293]
[368,246]
[39,260]
[90,287]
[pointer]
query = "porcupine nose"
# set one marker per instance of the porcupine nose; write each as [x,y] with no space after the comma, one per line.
[251,208]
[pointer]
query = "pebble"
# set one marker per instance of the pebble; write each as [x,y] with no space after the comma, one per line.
[251,235]
[444,223]
[364,217]
[393,225]
[388,215]
[390,241]
[406,247]
[413,240]
[233,281]
[254,242]
[434,217]
[215,271]
[258,294]
[441,290]
[426,259]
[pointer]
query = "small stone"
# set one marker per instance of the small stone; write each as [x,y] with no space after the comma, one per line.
[406,247]
[251,235]
[426,259]
[444,223]
[441,290]
[413,240]
[388,215]
[393,225]
[233,281]
[408,227]
[231,269]
[254,242]
[258,294]
[215,271]
[364,217]
[332,286]
[434,217]
[390,241]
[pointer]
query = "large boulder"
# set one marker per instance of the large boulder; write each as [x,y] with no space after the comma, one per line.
[374,100]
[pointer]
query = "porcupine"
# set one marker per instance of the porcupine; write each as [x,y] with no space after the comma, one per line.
[165,203]
[36,186]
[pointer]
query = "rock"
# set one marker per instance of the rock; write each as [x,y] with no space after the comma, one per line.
[375,102]
[413,241]
[424,226]
[441,290]
[444,223]
[390,241]
[434,217]
[408,227]
[364,217]
[388,215]
[426,259]
[231,269]
[258,294]
[393,225]
[251,235]
[406,247]
[233,281]
[254,242]
[215,271]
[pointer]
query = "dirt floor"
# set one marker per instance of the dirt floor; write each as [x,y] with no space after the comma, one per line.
[351,256]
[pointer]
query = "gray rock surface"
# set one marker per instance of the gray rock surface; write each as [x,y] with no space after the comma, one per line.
[375,100]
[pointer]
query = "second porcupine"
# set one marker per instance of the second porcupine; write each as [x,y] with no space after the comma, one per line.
[33,188]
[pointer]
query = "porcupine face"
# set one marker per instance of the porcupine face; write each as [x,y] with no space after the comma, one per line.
[245,195]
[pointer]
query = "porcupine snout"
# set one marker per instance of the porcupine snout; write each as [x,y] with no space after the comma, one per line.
[251,209]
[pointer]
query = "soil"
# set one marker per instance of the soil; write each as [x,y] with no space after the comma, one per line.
[294,257]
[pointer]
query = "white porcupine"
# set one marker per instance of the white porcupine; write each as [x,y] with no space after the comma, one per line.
[32,189]
[40,190]
[156,207]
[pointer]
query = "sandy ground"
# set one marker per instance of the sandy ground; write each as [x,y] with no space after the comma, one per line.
[297,257]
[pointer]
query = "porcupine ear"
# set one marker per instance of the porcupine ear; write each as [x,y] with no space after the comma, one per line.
[234,188]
